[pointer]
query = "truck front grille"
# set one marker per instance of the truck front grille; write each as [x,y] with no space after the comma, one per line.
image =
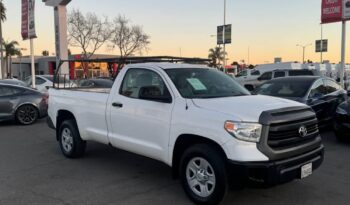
[287,135]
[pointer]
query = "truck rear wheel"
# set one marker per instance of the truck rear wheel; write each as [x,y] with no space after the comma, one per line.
[203,174]
[71,144]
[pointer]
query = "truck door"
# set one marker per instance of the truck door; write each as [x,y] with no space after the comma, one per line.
[140,114]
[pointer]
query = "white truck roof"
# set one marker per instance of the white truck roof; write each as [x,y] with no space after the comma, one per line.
[169,65]
[278,66]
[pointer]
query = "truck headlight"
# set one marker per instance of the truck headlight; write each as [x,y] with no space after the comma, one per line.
[250,132]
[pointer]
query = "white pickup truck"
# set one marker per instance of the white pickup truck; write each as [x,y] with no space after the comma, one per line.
[195,119]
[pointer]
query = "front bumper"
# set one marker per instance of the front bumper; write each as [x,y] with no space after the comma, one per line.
[277,172]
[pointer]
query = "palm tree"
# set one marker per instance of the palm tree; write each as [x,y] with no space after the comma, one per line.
[11,50]
[216,55]
[2,19]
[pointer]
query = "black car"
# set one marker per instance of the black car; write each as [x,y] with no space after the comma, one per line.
[96,83]
[342,121]
[321,93]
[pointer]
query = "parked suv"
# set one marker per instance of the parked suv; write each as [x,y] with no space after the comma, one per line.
[251,85]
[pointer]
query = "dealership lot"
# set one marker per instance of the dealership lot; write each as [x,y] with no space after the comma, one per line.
[33,171]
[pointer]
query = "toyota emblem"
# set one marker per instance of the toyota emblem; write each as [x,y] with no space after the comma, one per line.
[302,131]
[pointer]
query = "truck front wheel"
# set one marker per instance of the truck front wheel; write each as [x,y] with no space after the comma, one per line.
[203,174]
[71,144]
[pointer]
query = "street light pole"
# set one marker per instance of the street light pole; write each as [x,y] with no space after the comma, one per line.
[1,50]
[343,48]
[224,35]
[304,48]
[321,43]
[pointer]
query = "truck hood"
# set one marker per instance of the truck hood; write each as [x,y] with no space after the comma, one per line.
[245,108]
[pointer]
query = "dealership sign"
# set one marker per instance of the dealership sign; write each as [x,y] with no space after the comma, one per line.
[321,46]
[335,10]
[224,34]
[346,9]
[220,35]
[28,19]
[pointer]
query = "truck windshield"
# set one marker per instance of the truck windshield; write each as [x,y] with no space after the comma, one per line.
[205,83]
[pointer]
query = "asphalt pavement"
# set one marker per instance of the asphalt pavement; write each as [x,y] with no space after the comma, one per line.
[33,171]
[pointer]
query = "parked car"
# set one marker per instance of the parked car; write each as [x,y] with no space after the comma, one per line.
[25,105]
[14,82]
[342,121]
[245,77]
[44,82]
[195,119]
[321,93]
[96,83]
[251,85]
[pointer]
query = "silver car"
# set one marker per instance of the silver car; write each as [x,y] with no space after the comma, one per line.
[22,104]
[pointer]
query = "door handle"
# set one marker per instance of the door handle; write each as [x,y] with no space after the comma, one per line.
[117,104]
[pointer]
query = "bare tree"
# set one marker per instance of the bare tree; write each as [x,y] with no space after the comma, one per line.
[127,38]
[87,32]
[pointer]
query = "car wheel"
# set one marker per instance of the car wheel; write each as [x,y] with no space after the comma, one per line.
[71,144]
[203,175]
[27,114]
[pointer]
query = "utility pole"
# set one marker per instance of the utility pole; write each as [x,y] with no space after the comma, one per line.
[224,37]
[304,47]
[1,46]
[343,43]
[321,43]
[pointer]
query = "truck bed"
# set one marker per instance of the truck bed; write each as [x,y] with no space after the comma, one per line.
[91,90]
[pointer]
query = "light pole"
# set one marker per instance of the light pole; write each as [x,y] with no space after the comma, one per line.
[304,47]
[224,35]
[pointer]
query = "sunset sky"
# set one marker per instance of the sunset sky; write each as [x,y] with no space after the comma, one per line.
[270,28]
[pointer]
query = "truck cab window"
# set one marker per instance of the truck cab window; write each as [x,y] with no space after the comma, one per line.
[266,76]
[136,79]
[280,74]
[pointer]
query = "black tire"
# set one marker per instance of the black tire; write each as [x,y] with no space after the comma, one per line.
[27,114]
[73,146]
[216,162]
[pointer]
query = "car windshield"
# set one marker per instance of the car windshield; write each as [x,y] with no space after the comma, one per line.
[205,83]
[284,89]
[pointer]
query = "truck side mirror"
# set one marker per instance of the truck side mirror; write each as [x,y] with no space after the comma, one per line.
[153,93]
